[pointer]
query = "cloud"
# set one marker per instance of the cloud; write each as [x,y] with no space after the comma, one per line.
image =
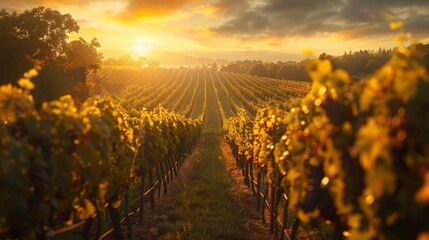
[138,9]
[308,18]
[228,6]
[26,3]
[222,7]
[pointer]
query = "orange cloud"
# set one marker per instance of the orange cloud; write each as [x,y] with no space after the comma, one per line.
[138,9]
[360,32]
[209,10]
[226,7]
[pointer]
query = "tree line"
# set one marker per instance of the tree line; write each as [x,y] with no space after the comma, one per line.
[359,64]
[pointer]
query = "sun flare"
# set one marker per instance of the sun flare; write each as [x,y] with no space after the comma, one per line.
[141,49]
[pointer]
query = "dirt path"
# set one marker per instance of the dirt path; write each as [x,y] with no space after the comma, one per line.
[154,222]
[209,200]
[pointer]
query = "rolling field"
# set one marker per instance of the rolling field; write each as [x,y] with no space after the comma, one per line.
[184,90]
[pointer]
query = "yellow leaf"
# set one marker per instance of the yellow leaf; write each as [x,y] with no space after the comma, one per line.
[25,84]
[405,85]
[116,204]
[369,93]
[31,73]
[86,211]
[372,142]
[342,76]
[325,66]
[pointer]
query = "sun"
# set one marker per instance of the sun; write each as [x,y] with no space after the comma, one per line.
[141,49]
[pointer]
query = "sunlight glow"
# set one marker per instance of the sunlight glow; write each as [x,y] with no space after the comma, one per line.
[141,49]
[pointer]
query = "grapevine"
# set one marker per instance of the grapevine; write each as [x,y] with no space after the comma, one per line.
[62,163]
[353,154]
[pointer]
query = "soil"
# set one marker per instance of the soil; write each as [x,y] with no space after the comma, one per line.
[155,220]
[244,196]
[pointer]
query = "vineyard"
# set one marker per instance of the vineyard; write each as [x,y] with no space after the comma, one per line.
[184,90]
[347,156]
[351,155]
[61,164]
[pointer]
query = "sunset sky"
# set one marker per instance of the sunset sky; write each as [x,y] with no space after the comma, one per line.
[213,28]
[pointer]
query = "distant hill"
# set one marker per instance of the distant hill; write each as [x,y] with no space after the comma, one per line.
[166,58]
[269,56]
[198,58]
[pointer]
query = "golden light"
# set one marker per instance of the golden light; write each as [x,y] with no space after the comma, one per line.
[141,49]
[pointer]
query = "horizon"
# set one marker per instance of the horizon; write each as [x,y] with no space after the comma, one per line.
[197,119]
[200,28]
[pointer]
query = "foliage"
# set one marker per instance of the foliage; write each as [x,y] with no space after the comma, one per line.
[42,34]
[258,70]
[358,64]
[43,31]
[232,67]
[63,161]
[81,58]
[272,70]
[352,153]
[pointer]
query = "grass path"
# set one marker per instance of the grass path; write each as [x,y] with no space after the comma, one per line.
[205,208]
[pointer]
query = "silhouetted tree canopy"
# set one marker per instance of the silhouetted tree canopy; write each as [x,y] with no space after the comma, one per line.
[43,30]
[258,70]
[272,70]
[43,34]
[214,67]
[423,49]
[231,67]
[287,71]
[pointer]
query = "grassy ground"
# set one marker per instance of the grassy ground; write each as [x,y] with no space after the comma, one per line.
[205,208]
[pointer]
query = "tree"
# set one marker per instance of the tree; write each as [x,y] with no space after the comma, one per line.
[423,50]
[325,56]
[43,30]
[231,67]
[80,59]
[258,70]
[215,67]
[272,70]
[286,72]
[42,34]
